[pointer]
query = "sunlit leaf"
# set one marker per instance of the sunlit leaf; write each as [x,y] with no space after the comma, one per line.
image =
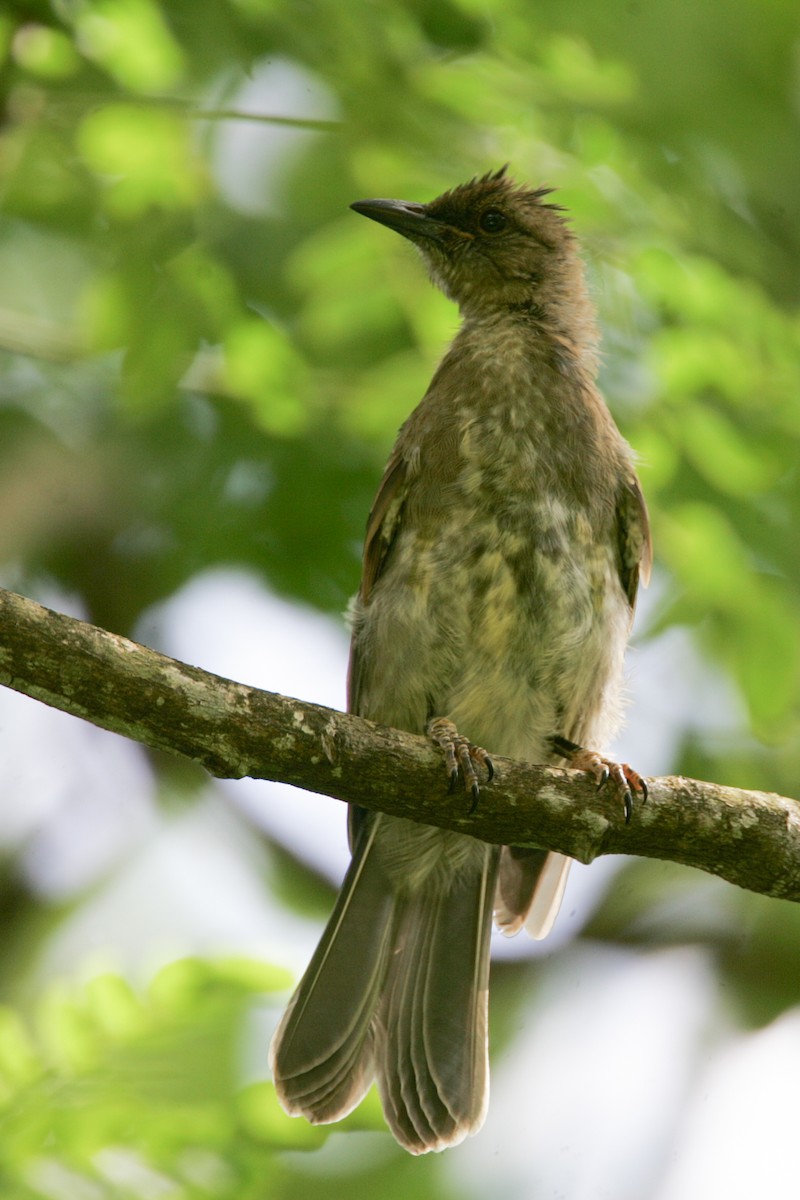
[143,156]
[262,368]
[132,40]
[262,1117]
[44,51]
[723,455]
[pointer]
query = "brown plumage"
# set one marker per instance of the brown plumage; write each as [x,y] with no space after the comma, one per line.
[502,558]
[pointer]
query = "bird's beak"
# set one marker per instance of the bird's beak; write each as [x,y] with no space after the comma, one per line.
[403,216]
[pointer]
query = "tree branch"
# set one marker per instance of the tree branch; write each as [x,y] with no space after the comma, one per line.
[749,838]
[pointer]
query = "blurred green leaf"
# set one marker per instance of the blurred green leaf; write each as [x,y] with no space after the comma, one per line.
[20,1063]
[262,368]
[143,157]
[132,1084]
[45,51]
[132,41]
[263,1118]
[722,456]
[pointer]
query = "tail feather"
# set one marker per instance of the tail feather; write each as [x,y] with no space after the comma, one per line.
[321,1053]
[547,896]
[397,1053]
[530,890]
[431,1039]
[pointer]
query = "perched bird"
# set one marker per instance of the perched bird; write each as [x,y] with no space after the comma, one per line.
[502,558]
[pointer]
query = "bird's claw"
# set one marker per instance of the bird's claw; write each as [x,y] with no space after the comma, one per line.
[627,782]
[460,756]
[476,792]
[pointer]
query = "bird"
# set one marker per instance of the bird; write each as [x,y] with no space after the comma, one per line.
[501,563]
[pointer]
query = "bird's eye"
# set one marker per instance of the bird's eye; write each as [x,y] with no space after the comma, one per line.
[492,221]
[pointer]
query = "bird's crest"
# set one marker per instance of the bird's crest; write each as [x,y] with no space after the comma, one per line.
[494,184]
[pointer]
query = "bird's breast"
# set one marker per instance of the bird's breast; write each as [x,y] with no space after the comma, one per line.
[500,604]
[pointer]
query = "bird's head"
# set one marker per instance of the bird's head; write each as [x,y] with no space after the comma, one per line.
[490,244]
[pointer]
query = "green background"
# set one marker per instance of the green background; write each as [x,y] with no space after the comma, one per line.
[204,357]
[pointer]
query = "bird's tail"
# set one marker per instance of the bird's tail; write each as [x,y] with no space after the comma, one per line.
[397,989]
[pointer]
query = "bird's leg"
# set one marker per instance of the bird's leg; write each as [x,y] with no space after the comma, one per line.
[625,780]
[459,752]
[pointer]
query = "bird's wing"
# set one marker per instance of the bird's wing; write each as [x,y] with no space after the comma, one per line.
[383,521]
[382,525]
[635,543]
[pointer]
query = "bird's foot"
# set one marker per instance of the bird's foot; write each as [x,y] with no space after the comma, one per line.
[460,753]
[625,780]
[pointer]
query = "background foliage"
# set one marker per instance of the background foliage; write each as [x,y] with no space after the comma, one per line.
[203,360]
